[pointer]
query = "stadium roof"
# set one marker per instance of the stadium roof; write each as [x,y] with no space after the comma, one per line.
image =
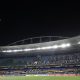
[71,44]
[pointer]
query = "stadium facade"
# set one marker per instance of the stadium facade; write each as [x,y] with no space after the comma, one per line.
[51,57]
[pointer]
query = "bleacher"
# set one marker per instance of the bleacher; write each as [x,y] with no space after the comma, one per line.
[53,57]
[58,63]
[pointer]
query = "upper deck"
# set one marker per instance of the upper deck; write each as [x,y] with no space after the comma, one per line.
[58,46]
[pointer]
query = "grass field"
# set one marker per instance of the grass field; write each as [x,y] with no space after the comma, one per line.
[39,78]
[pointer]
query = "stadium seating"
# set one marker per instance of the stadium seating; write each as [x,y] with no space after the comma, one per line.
[47,64]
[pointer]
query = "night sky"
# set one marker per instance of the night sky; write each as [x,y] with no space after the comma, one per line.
[19,20]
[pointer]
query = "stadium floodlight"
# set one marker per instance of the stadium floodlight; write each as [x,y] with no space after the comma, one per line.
[9,51]
[65,45]
[16,50]
[4,51]
[28,49]
[38,48]
[55,46]
[48,47]
[20,50]
[68,44]
[43,48]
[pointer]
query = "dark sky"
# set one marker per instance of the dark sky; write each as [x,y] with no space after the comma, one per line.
[19,20]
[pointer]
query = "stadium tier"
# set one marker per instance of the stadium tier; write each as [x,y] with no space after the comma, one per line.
[53,57]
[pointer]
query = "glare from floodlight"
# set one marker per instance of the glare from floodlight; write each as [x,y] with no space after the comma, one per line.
[14,50]
[55,46]
[43,48]
[79,42]
[17,50]
[68,44]
[49,47]
[28,49]
[9,51]
[64,45]
[3,51]
[20,50]
[38,48]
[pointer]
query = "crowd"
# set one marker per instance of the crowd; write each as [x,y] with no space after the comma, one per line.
[40,63]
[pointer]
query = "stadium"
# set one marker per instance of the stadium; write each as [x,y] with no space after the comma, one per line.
[41,58]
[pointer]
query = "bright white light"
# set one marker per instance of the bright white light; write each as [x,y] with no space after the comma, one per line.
[3,51]
[41,48]
[45,48]
[55,46]
[20,50]
[68,44]
[28,49]
[79,42]
[49,47]
[38,48]
[8,51]
[63,45]
[11,50]
[15,50]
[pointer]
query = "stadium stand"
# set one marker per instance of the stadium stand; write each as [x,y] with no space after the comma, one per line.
[54,57]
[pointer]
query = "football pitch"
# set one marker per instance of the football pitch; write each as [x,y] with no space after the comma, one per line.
[39,77]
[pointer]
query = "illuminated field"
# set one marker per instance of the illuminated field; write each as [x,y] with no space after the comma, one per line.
[40,78]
